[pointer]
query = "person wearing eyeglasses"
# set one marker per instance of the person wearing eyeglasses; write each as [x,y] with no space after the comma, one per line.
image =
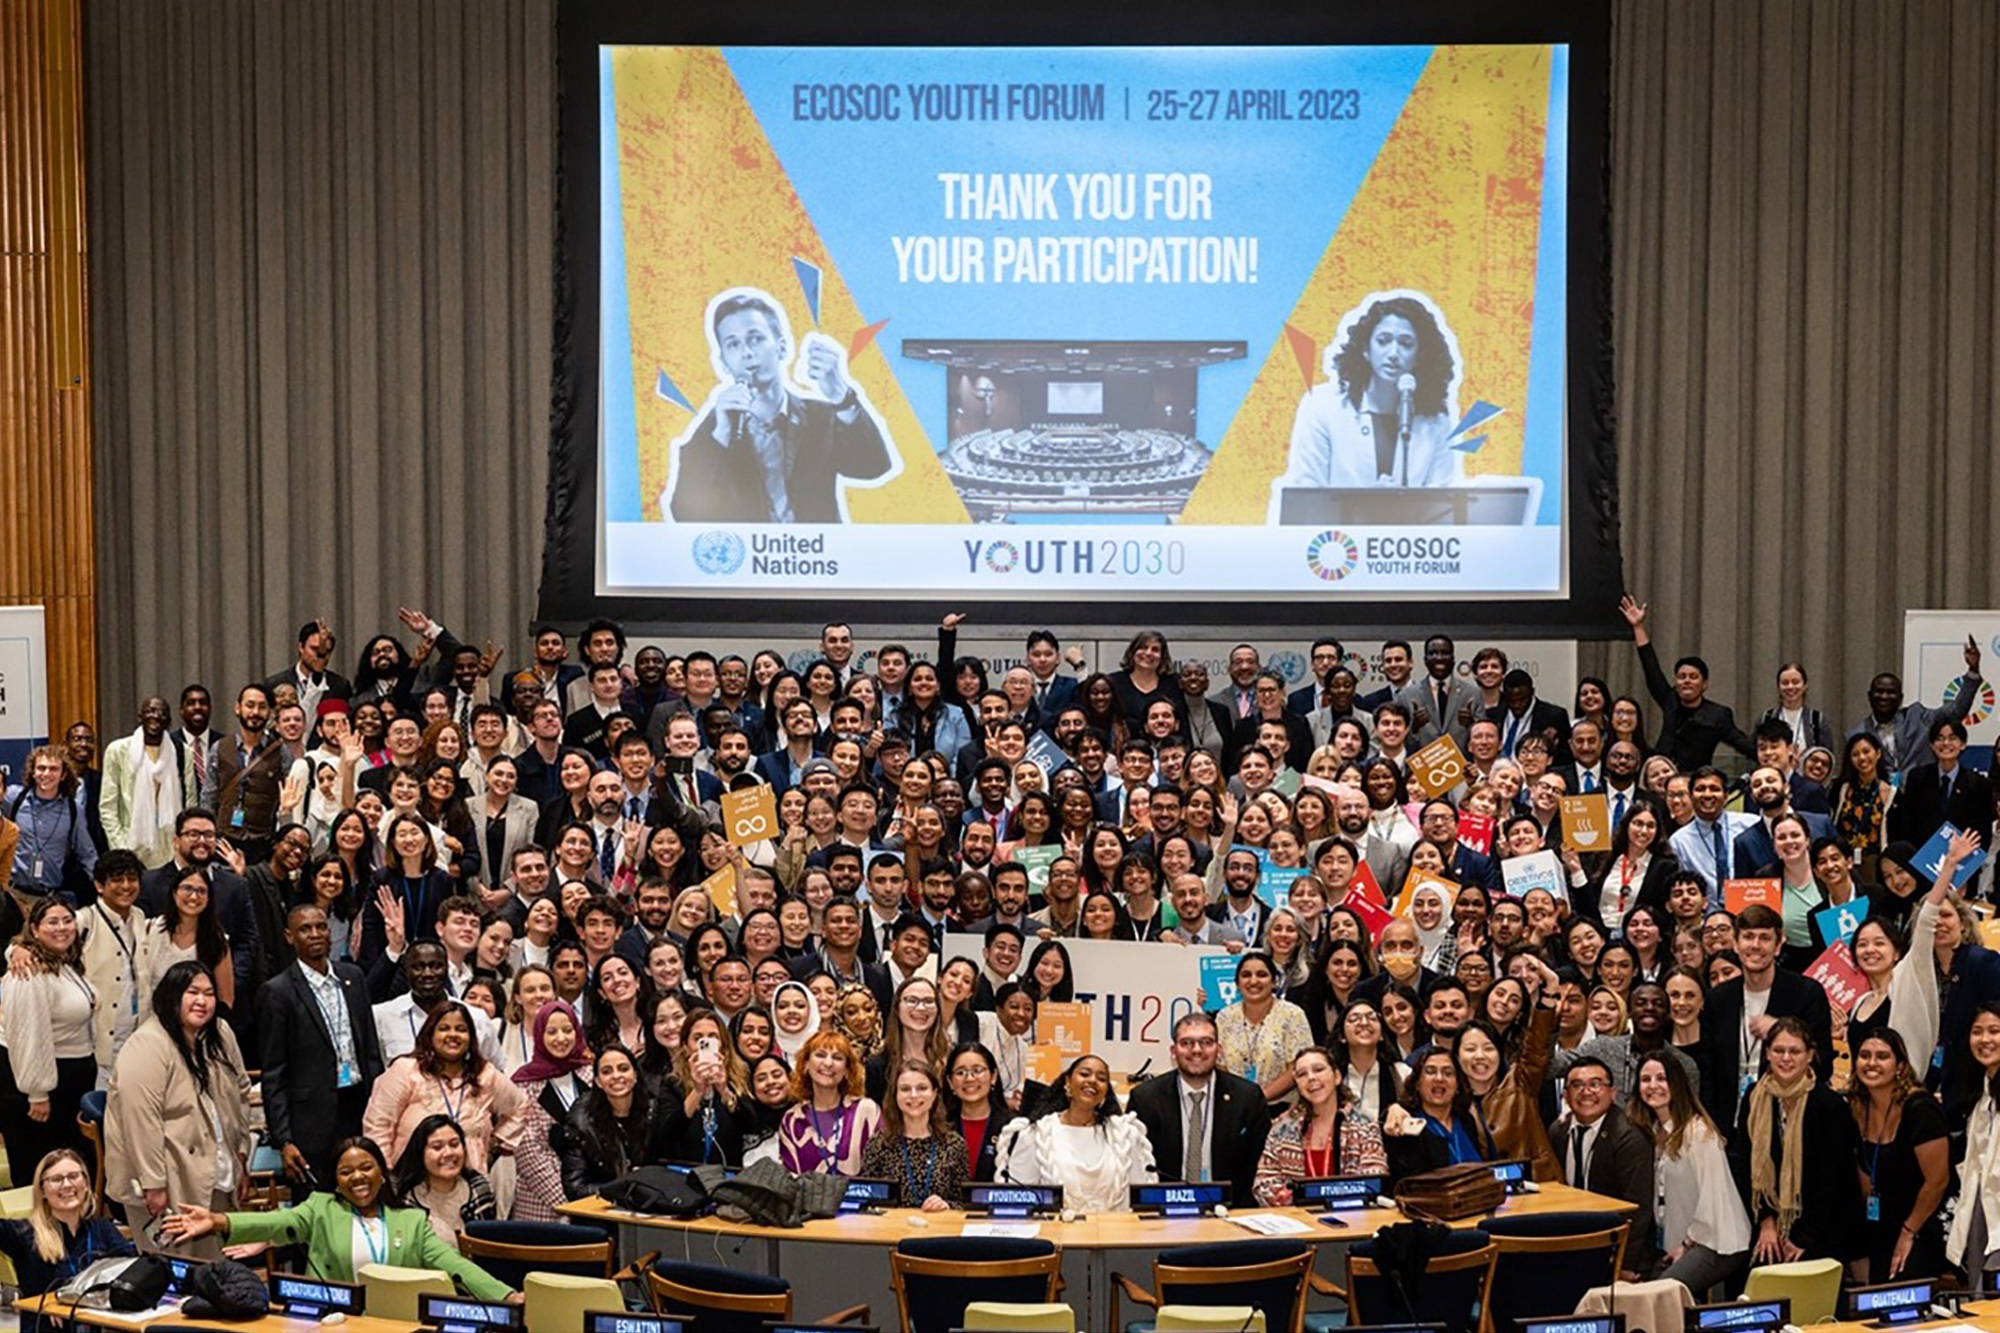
[1205,1122]
[64,1233]
[1603,1152]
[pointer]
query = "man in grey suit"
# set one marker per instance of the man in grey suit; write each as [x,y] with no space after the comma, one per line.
[1189,894]
[1442,701]
[1903,730]
[1387,861]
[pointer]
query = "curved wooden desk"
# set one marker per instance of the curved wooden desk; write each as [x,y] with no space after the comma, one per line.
[1096,1237]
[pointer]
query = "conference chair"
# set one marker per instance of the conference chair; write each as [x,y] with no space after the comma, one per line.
[1451,1292]
[1544,1263]
[1267,1275]
[1812,1286]
[937,1277]
[14,1203]
[722,1300]
[1019,1317]
[558,1302]
[393,1292]
[90,1123]
[1209,1319]
[512,1250]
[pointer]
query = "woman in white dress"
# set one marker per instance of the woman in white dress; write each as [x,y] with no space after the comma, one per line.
[1085,1144]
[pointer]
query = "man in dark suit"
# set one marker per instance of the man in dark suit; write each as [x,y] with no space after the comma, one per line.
[319,1050]
[1396,664]
[194,845]
[1053,689]
[1326,655]
[1519,714]
[1736,1050]
[311,674]
[1603,1152]
[762,453]
[1691,724]
[1771,798]
[1930,794]
[1205,1122]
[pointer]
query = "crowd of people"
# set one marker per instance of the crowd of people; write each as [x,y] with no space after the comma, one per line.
[485,942]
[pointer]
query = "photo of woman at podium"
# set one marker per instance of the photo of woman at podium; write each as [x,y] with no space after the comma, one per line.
[1383,416]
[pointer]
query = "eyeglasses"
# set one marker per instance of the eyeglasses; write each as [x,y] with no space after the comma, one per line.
[918,1002]
[971,1071]
[65,1178]
[1588,1084]
[1196,1043]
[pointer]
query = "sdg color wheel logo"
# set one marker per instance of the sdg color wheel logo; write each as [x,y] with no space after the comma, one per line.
[1333,555]
[717,552]
[1982,702]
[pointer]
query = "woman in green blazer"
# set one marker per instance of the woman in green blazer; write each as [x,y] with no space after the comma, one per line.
[360,1223]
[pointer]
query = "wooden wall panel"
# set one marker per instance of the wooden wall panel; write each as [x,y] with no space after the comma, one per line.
[47,543]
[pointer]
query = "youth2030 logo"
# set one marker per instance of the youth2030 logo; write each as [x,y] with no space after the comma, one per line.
[1333,555]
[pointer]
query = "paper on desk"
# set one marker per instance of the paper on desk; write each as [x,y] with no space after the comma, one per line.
[1271,1224]
[133,1317]
[1019,1230]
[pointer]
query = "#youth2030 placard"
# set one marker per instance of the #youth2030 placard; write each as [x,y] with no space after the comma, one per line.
[1077,322]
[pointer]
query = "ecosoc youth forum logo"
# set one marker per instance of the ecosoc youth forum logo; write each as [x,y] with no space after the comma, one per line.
[1333,555]
[718,552]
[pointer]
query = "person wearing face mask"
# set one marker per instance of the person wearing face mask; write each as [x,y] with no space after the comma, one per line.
[1400,951]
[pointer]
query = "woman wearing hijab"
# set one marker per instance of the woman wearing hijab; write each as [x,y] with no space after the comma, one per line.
[1430,909]
[553,1080]
[1789,1121]
[795,1017]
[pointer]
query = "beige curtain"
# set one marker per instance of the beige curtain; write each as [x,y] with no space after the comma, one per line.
[323,237]
[1805,230]
[322,246]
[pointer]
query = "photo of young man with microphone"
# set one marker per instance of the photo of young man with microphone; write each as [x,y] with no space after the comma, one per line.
[765,449]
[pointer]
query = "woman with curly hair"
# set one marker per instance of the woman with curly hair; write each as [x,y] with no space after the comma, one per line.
[1385,414]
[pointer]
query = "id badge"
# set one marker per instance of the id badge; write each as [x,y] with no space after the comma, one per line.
[38,869]
[236,817]
[1743,1086]
[347,1076]
[1874,1208]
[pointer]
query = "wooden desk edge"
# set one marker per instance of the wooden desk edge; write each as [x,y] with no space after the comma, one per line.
[1113,1231]
[273,1322]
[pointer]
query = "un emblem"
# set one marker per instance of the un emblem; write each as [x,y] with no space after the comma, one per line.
[718,552]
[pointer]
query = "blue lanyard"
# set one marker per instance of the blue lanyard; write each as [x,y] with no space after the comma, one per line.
[368,1237]
[464,1091]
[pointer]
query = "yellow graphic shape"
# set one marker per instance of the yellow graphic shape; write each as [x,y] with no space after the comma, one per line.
[1451,208]
[707,206]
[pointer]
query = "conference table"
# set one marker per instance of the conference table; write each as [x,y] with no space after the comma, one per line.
[270,1323]
[817,1258]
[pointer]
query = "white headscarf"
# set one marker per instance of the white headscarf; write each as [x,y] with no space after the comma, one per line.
[1433,940]
[788,1045]
[156,799]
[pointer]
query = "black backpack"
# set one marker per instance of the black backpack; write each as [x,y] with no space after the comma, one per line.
[660,1191]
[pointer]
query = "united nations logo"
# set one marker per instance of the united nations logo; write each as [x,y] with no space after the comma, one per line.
[1290,665]
[1333,555]
[718,552]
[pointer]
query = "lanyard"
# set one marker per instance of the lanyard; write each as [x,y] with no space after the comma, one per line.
[842,1119]
[131,965]
[451,1111]
[368,1238]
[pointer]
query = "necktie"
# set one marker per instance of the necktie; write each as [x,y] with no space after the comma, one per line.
[1242,704]
[1721,853]
[200,762]
[1191,1158]
[1617,809]
[1577,1166]
[1944,789]
[1589,782]
[607,855]
[1042,693]
[1443,718]
[634,808]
